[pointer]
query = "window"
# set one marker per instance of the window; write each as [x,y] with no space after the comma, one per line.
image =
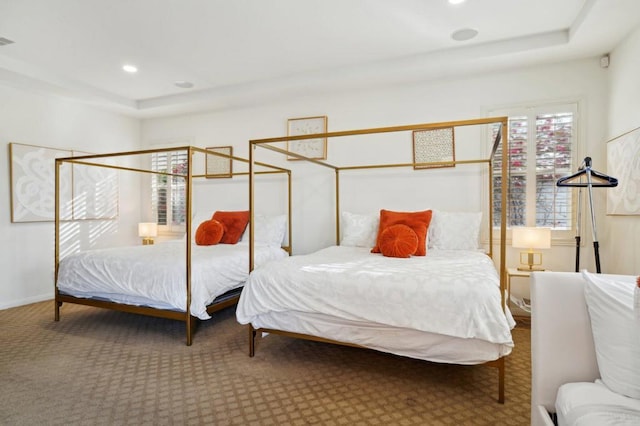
[168,192]
[542,146]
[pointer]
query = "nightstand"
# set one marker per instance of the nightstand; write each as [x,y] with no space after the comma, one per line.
[524,303]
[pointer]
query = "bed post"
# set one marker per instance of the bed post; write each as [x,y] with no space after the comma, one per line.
[252,341]
[57,304]
[501,366]
[188,201]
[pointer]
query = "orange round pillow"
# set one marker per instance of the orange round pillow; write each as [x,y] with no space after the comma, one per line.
[398,241]
[209,233]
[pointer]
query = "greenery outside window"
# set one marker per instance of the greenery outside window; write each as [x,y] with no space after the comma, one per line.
[542,147]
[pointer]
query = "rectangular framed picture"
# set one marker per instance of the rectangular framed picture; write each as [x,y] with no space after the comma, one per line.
[219,166]
[311,148]
[623,163]
[433,146]
[32,183]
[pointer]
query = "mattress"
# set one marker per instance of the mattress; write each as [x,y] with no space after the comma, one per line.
[350,295]
[155,275]
[593,404]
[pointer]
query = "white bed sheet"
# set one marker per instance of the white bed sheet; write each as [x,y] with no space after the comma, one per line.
[154,275]
[594,404]
[448,293]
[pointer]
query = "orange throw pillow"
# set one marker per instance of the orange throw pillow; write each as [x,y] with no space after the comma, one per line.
[209,233]
[398,241]
[418,221]
[234,225]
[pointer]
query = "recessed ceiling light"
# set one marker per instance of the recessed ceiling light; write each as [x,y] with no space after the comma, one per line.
[456,1]
[4,41]
[184,84]
[130,68]
[464,34]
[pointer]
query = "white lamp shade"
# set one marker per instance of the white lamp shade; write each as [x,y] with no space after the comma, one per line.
[531,237]
[148,229]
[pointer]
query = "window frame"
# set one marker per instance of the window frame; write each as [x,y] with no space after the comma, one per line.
[558,236]
[168,229]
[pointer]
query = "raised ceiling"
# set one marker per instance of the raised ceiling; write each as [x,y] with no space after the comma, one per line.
[243,52]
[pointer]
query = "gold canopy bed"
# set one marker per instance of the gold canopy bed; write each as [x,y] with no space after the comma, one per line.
[350,296]
[174,279]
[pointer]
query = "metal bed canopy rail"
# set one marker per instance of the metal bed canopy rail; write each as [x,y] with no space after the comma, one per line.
[269,144]
[94,160]
[502,122]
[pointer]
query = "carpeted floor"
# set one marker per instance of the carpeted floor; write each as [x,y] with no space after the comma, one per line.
[99,367]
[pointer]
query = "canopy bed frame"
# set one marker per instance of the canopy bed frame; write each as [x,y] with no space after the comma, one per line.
[229,298]
[275,145]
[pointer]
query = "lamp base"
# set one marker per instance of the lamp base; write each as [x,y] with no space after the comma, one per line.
[147,241]
[530,269]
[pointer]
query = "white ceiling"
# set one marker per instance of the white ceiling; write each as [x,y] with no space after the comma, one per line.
[243,52]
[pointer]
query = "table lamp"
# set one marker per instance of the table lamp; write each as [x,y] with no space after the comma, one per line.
[530,238]
[147,230]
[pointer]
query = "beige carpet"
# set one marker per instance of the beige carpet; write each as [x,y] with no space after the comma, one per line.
[101,367]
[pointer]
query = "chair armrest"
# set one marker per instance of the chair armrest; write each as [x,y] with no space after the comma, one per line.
[562,348]
[540,416]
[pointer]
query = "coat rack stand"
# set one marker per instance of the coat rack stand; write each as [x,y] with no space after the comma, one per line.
[592,179]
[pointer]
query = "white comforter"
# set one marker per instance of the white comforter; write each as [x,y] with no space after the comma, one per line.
[155,275]
[453,293]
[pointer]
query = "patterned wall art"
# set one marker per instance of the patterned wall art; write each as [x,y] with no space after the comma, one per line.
[32,183]
[85,192]
[311,148]
[623,163]
[433,146]
[218,166]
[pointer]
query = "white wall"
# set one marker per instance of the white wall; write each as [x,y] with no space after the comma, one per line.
[621,236]
[27,249]
[583,81]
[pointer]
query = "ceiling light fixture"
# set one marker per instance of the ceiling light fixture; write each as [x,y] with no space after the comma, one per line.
[183,84]
[456,1]
[130,68]
[4,41]
[464,34]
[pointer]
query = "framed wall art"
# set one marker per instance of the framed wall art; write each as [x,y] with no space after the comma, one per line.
[311,148]
[623,162]
[433,146]
[219,166]
[32,183]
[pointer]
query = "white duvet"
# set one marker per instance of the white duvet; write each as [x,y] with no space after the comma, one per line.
[155,275]
[452,293]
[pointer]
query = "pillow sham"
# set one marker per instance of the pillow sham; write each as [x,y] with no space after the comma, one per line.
[418,221]
[359,230]
[398,241]
[209,233]
[616,331]
[234,223]
[269,230]
[454,230]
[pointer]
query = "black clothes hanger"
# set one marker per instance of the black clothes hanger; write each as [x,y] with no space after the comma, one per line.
[585,169]
[576,180]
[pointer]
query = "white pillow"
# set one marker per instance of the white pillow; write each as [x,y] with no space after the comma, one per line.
[270,230]
[616,331]
[359,230]
[454,230]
